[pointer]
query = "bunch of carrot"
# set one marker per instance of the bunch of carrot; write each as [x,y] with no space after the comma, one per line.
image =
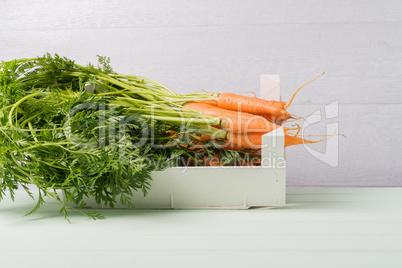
[246,119]
[243,122]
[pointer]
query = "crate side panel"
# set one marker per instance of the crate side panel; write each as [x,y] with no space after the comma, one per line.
[215,187]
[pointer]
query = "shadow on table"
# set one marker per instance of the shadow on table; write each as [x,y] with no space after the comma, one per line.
[50,210]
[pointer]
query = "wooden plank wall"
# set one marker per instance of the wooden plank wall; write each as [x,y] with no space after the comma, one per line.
[225,45]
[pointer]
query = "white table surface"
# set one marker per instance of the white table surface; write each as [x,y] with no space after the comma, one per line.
[353,227]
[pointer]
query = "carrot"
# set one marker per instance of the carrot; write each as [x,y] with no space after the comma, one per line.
[234,121]
[252,158]
[199,106]
[171,133]
[227,145]
[192,144]
[206,137]
[275,111]
[241,122]
[211,102]
[294,140]
[252,140]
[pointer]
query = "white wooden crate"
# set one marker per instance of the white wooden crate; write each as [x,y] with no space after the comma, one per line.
[225,187]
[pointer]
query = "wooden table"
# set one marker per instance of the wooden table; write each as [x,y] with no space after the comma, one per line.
[320,227]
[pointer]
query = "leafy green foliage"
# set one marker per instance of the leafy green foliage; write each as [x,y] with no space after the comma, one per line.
[66,141]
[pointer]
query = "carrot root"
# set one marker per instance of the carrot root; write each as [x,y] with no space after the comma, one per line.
[294,94]
[294,140]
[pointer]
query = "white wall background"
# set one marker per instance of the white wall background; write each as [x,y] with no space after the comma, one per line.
[224,45]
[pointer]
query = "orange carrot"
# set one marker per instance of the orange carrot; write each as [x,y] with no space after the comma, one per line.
[235,121]
[252,140]
[171,133]
[275,111]
[270,109]
[294,140]
[227,145]
[211,102]
[199,106]
[206,137]
[241,122]
[194,145]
